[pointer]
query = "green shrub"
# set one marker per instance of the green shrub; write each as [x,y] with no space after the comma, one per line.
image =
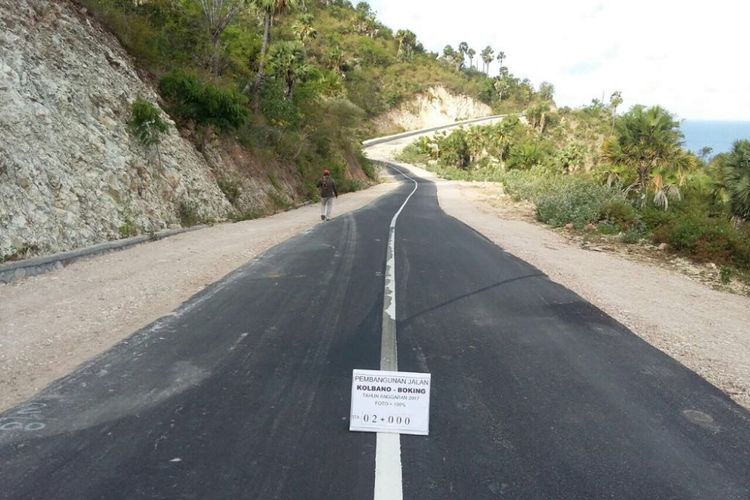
[279,200]
[128,228]
[631,237]
[619,212]
[454,150]
[705,239]
[188,213]
[526,185]
[527,154]
[279,111]
[607,228]
[146,123]
[570,157]
[413,154]
[194,100]
[573,200]
[239,216]
[369,167]
[350,185]
[231,189]
[654,218]
[725,274]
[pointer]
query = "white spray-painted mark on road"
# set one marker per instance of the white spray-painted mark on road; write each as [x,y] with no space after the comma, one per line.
[388,477]
[25,418]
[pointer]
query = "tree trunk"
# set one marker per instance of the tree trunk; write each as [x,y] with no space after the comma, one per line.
[289,87]
[215,55]
[260,77]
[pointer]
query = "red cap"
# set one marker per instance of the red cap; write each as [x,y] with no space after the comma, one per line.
[326,172]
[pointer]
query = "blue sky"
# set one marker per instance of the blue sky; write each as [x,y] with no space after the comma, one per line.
[688,56]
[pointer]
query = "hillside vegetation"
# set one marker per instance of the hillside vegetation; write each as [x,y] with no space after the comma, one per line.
[625,177]
[299,82]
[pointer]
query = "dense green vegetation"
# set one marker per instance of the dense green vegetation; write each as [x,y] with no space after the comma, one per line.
[292,81]
[626,177]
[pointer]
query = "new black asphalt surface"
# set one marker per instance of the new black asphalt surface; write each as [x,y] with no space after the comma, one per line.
[244,391]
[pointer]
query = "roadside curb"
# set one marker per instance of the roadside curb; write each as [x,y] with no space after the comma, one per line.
[14,271]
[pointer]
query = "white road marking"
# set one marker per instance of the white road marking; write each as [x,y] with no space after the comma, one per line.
[390,266]
[388,467]
[388,483]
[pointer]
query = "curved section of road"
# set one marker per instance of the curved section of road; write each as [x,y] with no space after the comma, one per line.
[243,392]
[412,133]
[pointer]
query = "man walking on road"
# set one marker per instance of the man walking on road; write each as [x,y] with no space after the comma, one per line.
[327,193]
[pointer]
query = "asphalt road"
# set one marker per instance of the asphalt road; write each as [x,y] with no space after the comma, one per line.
[244,391]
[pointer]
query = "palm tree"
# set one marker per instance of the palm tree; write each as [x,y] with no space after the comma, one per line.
[270,9]
[287,62]
[453,57]
[537,115]
[500,58]
[218,15]
[615,100]
[648,144]
[705,152]
[501,87]
[463,49]
[471,53]
[735,168]
[303,28]
[407,41]
[501,137]
[487,55]
[448,53]
[475,141]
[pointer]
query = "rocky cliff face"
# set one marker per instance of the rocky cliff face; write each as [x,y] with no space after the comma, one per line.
[434,108]
[71,174]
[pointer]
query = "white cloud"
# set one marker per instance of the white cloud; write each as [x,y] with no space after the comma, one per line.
[686,56]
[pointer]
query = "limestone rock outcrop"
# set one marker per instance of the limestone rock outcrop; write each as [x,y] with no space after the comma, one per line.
[71,173]
[434,108]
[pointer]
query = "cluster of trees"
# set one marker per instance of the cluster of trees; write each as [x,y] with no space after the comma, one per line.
[269,49]
[504,92]
[457,58]
[233,41]
[628,174]
[294,81]
[642,153]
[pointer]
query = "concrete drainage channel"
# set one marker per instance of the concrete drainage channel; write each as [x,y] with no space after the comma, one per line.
[13,271]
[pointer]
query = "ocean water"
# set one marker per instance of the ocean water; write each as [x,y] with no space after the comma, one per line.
[718,135]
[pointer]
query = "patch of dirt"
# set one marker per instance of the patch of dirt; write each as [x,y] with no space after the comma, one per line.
[51,323]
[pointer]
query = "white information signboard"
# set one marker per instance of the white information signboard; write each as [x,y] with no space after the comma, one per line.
[397,402]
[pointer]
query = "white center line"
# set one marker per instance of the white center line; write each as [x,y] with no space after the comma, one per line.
[388,485]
